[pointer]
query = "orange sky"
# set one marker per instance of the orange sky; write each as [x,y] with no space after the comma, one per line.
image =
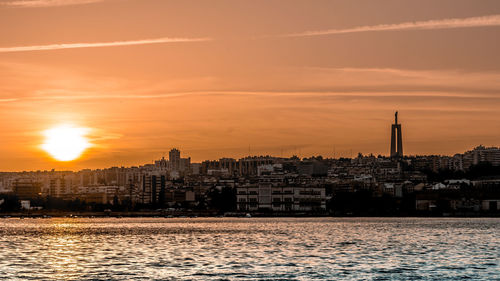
[220,78]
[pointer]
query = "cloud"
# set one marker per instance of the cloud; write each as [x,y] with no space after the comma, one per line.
[7,100]
[99,44]
[47,3]
[491,20]
[60,84]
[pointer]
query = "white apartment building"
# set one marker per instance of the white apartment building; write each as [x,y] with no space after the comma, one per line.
[280,199]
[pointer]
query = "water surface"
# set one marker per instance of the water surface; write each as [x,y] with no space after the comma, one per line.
[250,249]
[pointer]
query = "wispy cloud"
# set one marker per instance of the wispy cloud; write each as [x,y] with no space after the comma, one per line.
[237,93]
[491,20]
[47,3]
[7,100]
[52,84]
[99,44]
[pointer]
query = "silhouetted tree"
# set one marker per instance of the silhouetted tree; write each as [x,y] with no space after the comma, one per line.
[10,203]
[483,169]
[223,199]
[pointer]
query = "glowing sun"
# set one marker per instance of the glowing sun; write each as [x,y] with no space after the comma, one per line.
[65,142]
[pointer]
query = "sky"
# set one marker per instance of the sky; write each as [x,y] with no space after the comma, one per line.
[231,78]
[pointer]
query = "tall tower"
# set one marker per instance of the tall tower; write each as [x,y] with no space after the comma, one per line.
[174,157]
[396,139]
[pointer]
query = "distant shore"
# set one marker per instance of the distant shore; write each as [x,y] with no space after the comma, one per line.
[184,214]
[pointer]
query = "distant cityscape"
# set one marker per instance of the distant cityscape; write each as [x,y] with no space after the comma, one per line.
[466,184]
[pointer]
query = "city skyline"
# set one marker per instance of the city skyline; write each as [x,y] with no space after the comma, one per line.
[59,136]
[65,156]
[249,139]
[305,79]
[174,159]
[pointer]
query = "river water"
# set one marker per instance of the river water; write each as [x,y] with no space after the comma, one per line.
[250,249]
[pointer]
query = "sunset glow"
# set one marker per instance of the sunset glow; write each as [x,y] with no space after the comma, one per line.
[307,78]
[65,143]
[245,139]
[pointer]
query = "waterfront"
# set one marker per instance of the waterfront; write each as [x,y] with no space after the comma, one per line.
[250,248]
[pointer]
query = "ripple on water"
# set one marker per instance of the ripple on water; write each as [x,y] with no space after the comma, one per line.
[250,249]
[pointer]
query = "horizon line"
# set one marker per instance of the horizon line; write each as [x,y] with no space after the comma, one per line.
[251,156]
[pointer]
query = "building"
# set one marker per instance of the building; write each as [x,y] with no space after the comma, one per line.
[27,188]
[249,165]
[179,196]
[230,164]
[174,158]
[161,164]
[491,205]
[396,139]
[175,162]
[61,186]
[312,168]
[153,187]
[280,198]
[103,194]
[481,154]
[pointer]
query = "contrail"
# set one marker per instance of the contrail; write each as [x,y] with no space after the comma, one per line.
[47,3]
[100,44]
[492,20]
[7,100]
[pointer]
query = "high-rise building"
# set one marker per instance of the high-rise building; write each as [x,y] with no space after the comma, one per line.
[174,157]
[396,138]
[153,188]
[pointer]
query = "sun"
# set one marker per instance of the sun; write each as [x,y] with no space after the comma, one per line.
[65,142]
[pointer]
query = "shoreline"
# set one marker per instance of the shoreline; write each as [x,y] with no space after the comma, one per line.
[156,214]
